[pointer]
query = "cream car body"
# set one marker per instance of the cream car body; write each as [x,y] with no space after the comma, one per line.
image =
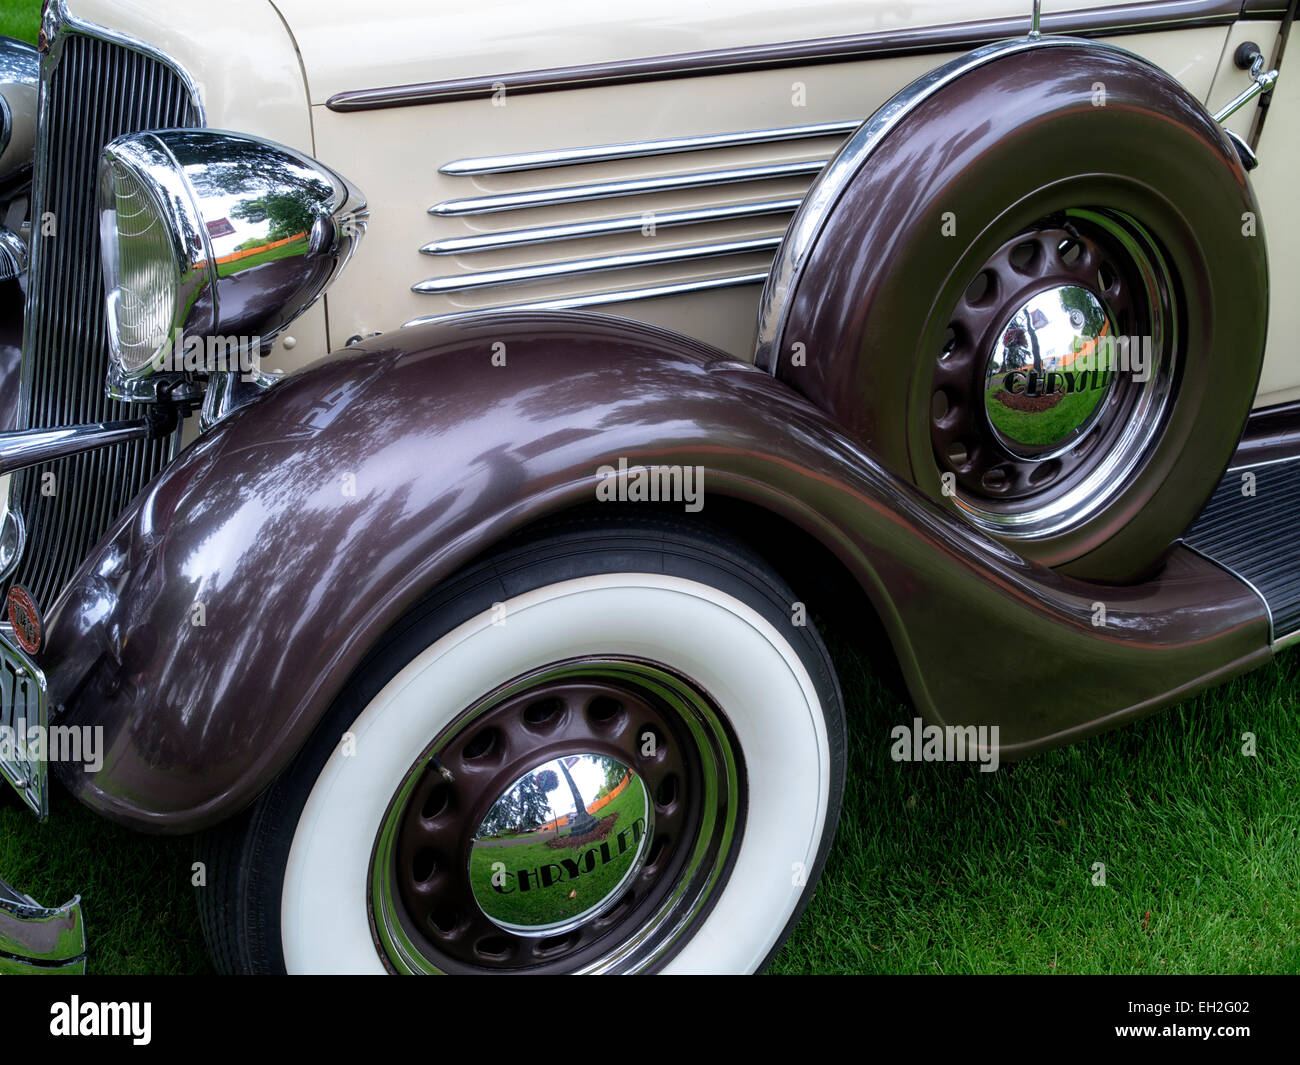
[272,69]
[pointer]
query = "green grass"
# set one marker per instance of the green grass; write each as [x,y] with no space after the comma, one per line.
[296,247]
[1049,426]
[937,868]
[553,905]
[20,19]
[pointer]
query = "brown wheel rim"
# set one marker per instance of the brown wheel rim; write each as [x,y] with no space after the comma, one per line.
[1056,374]
[582,818]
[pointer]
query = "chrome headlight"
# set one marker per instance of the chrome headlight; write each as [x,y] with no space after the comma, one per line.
[211,234]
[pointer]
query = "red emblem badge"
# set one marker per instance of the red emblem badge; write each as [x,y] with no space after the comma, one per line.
[25,619]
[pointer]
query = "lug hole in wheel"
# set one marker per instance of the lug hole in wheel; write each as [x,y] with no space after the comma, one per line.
[617,910]
[444,918]
[1106,277]
[939,406]
[1044,472]
[995,480]
[958,454]
[604,712]
[493,947]
[544,713]
[424,865]
[983,290]
[483,746]
[1024,257]
[949,344]
[667,792]
[436,803]
[555,944]
[657,852]
[1069,251]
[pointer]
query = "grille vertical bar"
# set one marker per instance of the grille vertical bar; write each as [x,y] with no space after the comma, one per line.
[97,90]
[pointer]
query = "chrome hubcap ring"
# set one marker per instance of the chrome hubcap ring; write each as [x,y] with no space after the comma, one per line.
[1056,374]
[580,818]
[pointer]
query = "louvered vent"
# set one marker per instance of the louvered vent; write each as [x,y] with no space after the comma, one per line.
[605,224]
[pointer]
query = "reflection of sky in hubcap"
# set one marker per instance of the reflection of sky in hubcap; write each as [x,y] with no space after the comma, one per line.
[1050,368]
[560,844]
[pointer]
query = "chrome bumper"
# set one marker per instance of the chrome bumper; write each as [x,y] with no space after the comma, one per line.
[38,940]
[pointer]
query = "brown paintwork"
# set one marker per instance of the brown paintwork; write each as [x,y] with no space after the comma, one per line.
[873,322]
[927,40]
[451,453]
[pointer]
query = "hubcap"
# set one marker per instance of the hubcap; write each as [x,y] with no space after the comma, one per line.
[1047,376]
[1056,374]
[581,818]
[592,850]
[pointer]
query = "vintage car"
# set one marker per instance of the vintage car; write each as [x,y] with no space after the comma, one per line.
[461,602]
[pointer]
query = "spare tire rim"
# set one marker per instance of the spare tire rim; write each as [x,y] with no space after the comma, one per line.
[1056,375]
[582,818]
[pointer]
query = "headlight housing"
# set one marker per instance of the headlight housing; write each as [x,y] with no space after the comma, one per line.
[205,233]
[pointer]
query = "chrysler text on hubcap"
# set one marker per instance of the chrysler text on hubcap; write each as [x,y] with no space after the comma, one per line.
[581,818]
[1056,374]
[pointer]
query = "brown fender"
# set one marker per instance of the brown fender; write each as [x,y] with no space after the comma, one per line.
[307,523]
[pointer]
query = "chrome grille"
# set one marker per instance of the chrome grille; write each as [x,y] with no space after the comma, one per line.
[717,216]
[92,91]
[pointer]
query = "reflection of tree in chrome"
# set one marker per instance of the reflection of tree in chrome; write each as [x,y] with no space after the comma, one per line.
[288,213]
[523,807]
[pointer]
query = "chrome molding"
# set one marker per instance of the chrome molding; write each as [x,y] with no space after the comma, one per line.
[602,299]
[31,447]
[1108,21]
[513,201]
[825,193]
[550,271]
[36,939]
[602,153]
[514,238]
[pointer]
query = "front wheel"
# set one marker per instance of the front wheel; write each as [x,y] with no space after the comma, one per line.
[607,749]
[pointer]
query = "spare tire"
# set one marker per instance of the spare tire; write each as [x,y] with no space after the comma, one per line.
[1034,284]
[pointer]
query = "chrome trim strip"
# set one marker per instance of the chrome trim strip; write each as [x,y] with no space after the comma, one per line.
[38,940]
[1281,643]
[925,40]
[807,224]
[31,447]
[602,153]
[1233,468]
[601,299]
[514,238]
[514,201]
[522,274]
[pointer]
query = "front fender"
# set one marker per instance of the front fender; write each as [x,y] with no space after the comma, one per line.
[211,628]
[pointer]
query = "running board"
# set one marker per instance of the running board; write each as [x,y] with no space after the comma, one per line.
[1251,527]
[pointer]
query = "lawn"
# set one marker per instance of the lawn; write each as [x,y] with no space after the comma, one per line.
[20,19]
[937,868]
[544,907]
